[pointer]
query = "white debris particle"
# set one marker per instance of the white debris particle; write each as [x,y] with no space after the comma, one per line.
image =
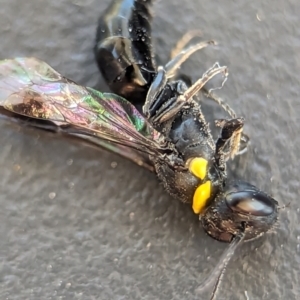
[52,195]
[114,164]
[68,285]
[246,294]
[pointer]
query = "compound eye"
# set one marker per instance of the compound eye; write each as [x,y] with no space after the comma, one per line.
[248,200]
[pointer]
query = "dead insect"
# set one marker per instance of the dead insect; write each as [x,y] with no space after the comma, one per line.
[229,211]
[168,136]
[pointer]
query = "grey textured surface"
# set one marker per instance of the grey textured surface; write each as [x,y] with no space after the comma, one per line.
[113,233]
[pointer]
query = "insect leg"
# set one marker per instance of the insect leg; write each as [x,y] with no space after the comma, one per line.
[220,102]
[245,139]
[230,133]
[182,43]
[173,65]
[177,103]
[156,87]
[199,84]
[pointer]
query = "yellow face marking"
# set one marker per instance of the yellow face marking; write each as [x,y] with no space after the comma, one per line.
[201,196]
[198,167]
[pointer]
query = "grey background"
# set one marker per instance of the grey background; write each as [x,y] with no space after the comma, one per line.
[114,233]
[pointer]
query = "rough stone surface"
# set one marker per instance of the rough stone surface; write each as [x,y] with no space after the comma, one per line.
[74,227]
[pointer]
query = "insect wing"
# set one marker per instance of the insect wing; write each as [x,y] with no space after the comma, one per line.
[31,88]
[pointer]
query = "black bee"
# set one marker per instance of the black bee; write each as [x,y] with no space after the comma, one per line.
[152,118]
[197,164]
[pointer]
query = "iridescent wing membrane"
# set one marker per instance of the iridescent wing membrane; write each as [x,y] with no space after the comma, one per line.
[31,88]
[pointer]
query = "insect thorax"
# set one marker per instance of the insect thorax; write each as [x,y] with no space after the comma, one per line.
[194,174]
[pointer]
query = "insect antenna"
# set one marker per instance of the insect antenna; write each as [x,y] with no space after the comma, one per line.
[220,268]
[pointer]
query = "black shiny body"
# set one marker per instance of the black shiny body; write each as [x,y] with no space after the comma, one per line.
[224,218]
[124,55]
[125,58]
[191,136]
[159,125]
[123,51]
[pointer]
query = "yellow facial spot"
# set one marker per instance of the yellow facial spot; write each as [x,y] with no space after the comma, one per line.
[198,167]
[201,196]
